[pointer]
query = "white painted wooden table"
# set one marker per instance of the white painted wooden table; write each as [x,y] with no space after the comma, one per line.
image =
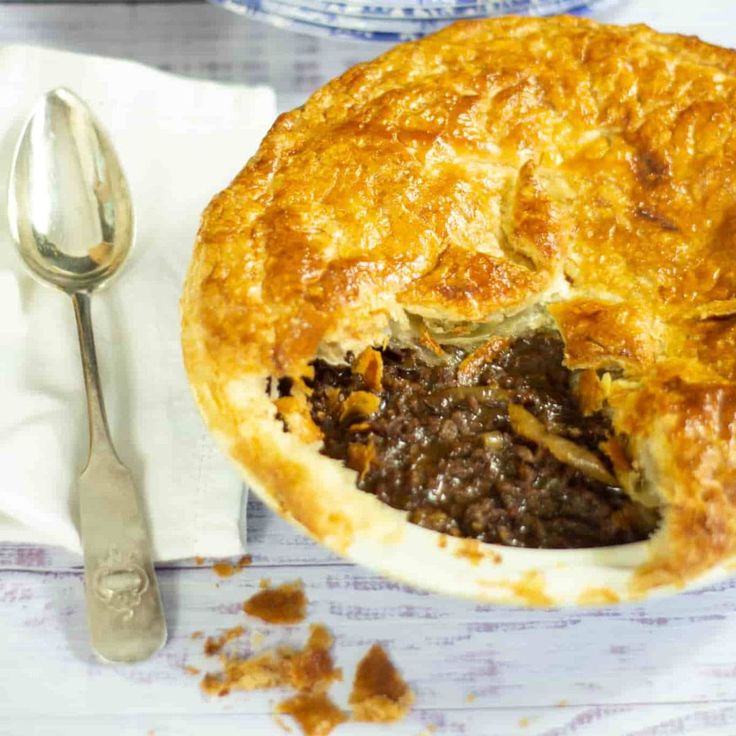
[666,667]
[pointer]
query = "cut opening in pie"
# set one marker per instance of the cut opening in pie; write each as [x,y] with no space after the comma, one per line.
[489,443]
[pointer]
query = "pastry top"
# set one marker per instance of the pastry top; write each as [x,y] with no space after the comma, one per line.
[490,167]
[494,164]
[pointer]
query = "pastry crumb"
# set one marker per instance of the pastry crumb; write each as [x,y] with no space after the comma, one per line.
[562,703]
[256,639]
[197,634]
[523,722]
[264,583]
[191,670]
[380,694]
[310,669]
[286,604]
[281,723]
[315,713]
[470,697]
[199,561]
[214,684]
[228,569]
[313,668]
[223,569]
[214,644]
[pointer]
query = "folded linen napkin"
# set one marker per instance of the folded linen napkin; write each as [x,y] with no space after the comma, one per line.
[179,142]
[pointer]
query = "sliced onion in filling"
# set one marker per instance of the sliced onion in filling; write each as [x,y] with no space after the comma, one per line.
[527,425]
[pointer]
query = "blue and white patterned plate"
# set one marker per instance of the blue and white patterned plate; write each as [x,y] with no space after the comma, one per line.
[387,20]
[390,21]
[405,25]
[437,8]
[435,12]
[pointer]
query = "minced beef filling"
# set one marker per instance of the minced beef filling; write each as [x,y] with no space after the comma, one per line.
[447,453]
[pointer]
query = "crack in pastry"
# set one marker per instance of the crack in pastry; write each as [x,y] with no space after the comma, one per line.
[496,178]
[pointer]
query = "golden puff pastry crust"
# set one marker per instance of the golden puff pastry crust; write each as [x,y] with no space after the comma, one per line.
[462,179]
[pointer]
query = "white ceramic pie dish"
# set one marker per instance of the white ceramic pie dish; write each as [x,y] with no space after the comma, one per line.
[458,187]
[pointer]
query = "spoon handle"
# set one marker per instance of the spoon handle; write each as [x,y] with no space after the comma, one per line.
[123,602]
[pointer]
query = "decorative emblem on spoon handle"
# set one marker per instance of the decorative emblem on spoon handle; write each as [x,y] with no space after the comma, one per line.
[120,583]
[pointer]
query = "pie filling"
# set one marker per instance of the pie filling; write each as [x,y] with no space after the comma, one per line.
[489,445]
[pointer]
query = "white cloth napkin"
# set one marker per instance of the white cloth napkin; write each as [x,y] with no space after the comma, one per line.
[180,141]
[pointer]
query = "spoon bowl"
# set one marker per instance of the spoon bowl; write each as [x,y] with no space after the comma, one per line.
[70,210]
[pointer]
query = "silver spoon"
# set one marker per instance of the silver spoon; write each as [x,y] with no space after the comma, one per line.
[71,217]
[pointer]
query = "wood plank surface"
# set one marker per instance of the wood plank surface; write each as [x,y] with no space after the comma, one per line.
[662,668]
